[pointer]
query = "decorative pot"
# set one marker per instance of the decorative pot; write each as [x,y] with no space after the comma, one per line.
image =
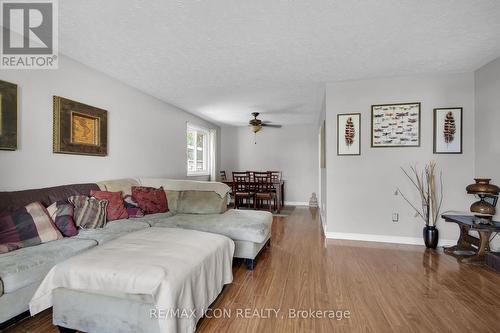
[431,237]
[482,208]
[482,185]
[483,189]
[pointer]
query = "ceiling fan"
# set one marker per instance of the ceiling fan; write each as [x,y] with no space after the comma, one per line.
[257,124]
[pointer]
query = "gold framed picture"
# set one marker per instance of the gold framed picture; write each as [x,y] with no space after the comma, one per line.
[79,128]
[8,116]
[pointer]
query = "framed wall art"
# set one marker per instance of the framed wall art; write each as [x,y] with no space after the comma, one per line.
[79,128]
[8,116]
[349,134]
[448,130]
[396,125]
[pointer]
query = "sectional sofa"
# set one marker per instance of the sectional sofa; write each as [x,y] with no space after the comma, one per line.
[193,205]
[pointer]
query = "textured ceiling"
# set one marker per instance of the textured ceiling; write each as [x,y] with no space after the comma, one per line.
[223,59]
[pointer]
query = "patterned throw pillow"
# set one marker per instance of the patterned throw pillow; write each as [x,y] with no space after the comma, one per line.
[150,199]
[27,226]
[61,212]
[132,207]
[4,248]
[90,213]
[116,210]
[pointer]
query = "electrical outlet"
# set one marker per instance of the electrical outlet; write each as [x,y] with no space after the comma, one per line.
[395,217]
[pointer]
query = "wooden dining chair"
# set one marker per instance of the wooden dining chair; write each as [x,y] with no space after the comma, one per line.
[276,180]
[275,176]
[251,174]
[251,185]
[223,176]
[242,189]
[264,189]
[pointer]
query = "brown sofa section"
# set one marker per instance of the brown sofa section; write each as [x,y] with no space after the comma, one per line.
[10,201]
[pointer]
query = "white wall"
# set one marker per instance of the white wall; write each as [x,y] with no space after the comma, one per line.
[292,149]
[229,149]
[146,137]
[360,196]
[488,121]
[487,118]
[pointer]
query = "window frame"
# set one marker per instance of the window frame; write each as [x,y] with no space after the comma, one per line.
[206,150]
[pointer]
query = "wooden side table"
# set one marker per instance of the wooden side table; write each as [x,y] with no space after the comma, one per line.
[467,242]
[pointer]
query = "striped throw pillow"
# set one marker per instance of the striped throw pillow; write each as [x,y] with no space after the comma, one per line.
[61,212]
[27,226]
[89,213]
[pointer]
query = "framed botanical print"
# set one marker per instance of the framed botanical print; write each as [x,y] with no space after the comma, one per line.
[79,128]
[396,125]
[349,134]
[8,116]
[448,130]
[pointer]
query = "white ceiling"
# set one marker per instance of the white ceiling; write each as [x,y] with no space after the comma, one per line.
[222,59]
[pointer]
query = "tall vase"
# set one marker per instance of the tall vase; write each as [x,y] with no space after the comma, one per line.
[431,236]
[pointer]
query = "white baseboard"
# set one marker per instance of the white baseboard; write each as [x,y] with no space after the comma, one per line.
[296,203]
[385,238]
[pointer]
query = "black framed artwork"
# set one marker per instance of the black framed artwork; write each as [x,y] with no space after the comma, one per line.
[448,130]
[395,125]
[349,134]
[8,115]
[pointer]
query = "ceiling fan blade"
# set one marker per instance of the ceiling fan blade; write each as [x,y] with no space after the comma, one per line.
[271,125]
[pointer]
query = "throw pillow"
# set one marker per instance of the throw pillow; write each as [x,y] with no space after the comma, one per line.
[27,226]
[4,248]
[116,210]
[61,212]
[90,213]
[151,200]
[132,207]
[135,212]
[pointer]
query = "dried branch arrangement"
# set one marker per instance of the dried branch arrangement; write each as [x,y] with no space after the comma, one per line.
[431,194]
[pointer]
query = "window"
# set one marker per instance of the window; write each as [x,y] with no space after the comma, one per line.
[198,151]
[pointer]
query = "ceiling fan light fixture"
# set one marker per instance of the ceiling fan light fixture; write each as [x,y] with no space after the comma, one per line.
[256,128]
[257,124]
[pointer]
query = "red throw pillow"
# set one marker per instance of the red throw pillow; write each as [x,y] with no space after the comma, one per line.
[151,200]
[116,210]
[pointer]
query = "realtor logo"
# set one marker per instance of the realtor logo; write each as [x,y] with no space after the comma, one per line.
[29,34]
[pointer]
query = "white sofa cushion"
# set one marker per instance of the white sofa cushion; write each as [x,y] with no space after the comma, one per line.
[118,185]
[186,185]
[25,266]
[244,225]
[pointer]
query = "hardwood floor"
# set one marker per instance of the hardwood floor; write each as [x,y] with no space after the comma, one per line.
[386,288]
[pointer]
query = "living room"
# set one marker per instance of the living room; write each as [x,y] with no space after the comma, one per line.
[262,166]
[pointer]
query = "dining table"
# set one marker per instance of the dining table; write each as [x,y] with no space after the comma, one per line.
[279,185]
